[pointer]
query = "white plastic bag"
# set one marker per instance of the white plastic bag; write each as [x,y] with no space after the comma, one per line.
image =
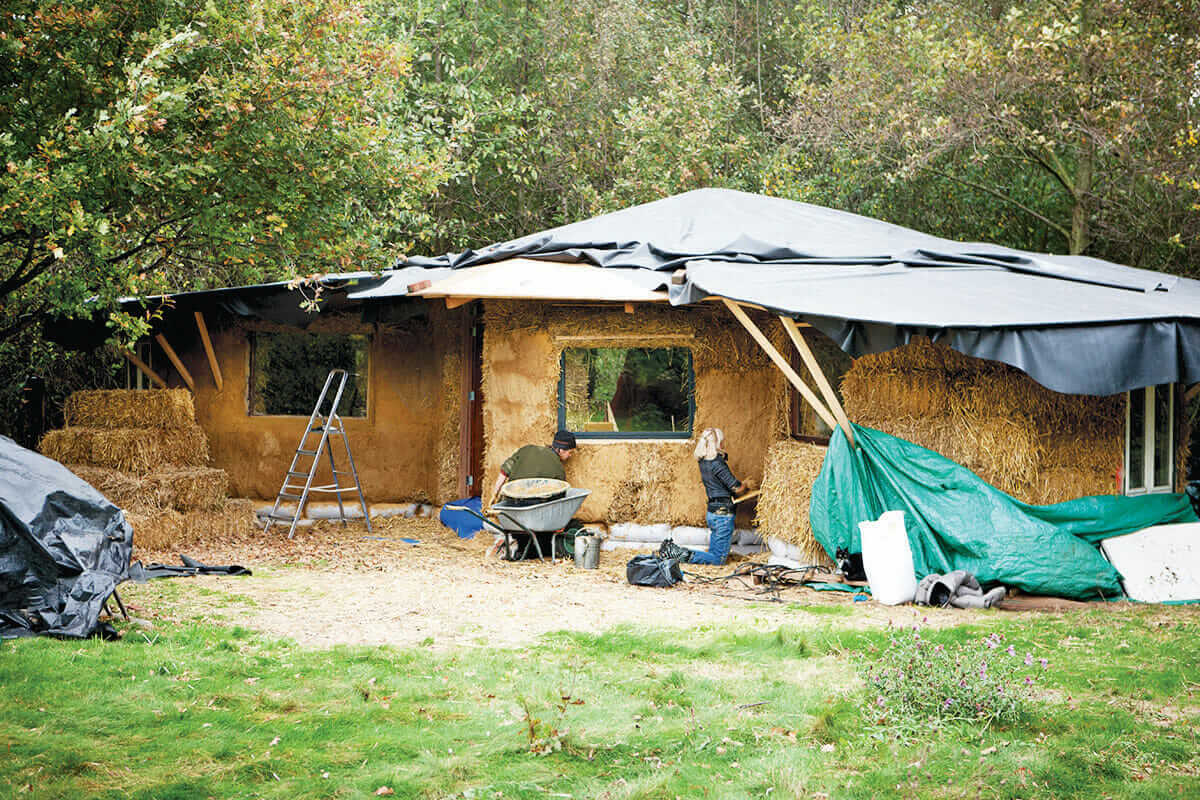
[887,559]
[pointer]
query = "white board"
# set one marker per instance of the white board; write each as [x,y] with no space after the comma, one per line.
[1158,564]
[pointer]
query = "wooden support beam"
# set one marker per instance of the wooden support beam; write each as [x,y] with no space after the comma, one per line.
[1191,393]
[174,358]
[629,308]
[141,365]
[208,350]
[781,362]
[455,302]
[818,374]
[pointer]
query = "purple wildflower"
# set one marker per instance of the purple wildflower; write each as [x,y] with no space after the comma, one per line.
[1012,651]
[880,701]
[1029,659]
[1028,681]
[1045,663]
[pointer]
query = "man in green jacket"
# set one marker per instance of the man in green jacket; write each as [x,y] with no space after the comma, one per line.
[534,461]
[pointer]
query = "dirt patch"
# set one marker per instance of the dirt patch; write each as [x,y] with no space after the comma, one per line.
[332,585]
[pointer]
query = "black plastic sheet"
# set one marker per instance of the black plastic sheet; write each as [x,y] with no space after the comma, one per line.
[64,548]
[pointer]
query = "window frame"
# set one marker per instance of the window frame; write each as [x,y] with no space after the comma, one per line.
[627,435]
[1149,447]
[251,371]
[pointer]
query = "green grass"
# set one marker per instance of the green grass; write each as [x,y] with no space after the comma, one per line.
[192,711]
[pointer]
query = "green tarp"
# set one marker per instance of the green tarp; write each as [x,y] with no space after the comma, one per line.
[957,521]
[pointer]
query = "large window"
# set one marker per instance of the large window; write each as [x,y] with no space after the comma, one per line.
[1149,440]
[287,371]
[607,392]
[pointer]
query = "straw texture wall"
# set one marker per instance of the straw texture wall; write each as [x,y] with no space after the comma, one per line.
[1035,444]
[180,489]
[737,389]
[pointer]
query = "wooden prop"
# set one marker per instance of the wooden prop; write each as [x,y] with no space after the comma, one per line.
[818,374]
[174,358]
[781,362]
[208,351]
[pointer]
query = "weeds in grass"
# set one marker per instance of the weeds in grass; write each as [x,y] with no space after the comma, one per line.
[918,684]
[547,736]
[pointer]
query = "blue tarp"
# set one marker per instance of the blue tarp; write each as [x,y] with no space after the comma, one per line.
[955,520]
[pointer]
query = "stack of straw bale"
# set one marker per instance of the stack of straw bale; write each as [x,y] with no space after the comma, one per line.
[788,476]
[1033,443]
[141,449]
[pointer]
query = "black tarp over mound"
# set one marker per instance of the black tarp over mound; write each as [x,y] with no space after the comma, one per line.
[63,547]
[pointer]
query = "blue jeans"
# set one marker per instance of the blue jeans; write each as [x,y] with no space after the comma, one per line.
[720,536]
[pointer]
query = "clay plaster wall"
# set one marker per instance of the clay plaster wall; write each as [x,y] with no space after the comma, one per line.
[737,389]
[405,449]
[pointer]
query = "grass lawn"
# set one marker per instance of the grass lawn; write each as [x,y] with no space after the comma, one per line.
[190,711]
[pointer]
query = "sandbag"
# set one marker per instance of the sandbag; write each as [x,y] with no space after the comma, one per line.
[887,559]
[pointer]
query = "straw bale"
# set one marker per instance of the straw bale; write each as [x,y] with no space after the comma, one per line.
[178,488]
[644,492]
[128,449]
[170,530]
[130,408]
[790,471]
[190,488]
[446,448]
[1059,484]
[120,488]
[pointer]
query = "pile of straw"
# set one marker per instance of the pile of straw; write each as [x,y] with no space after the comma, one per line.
[1035,444]
[788,476]
[120,408]
[137,450]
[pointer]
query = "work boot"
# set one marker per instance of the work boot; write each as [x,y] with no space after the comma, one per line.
[673,552]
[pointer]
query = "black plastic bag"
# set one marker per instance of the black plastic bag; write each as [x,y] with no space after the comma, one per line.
[650,570]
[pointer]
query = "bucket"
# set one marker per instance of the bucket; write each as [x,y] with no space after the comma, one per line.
[587,551]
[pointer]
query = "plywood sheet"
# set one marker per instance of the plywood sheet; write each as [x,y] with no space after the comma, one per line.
[1158,564]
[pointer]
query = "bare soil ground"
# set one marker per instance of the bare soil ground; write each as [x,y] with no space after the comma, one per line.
[332,585]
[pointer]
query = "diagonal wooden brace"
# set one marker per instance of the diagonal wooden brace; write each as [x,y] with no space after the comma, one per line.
[818,374]
[808,394]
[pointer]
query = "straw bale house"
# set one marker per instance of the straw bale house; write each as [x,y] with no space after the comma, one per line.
[454,377]
[640,327]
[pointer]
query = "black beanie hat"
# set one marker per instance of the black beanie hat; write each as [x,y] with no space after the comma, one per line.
[564,440]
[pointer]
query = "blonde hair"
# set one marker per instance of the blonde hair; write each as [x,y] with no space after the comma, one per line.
[710,442]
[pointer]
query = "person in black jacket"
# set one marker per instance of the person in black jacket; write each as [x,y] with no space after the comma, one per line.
[720,485]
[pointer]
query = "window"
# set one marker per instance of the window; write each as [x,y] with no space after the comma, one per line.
[627,392]
[1149,439]
[287,371]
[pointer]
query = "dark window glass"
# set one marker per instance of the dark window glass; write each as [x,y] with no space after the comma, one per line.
[627,390]
[287,371]
[1162,434]
[1137,439]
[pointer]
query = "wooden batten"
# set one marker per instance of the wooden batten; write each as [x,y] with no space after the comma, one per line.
[174,359]
[1191,393]
[455,302]
[808,394]
[143,367]
[208,351]
[818,374]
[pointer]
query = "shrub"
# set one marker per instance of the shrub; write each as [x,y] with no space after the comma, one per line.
[919,684]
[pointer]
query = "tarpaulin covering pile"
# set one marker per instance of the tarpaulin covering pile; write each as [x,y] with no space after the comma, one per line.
[63,547]
[955,520]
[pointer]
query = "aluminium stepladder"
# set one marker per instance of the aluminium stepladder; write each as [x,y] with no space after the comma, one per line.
[326,424]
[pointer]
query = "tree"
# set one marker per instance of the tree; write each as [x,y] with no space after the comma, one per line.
[151,145]
[1067,111]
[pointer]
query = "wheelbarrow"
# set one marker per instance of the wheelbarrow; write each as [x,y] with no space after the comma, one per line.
[548,517]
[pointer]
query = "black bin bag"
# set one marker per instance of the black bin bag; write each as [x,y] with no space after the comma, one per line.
[649,570]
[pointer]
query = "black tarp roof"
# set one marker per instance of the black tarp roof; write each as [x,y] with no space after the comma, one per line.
[1073,323]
